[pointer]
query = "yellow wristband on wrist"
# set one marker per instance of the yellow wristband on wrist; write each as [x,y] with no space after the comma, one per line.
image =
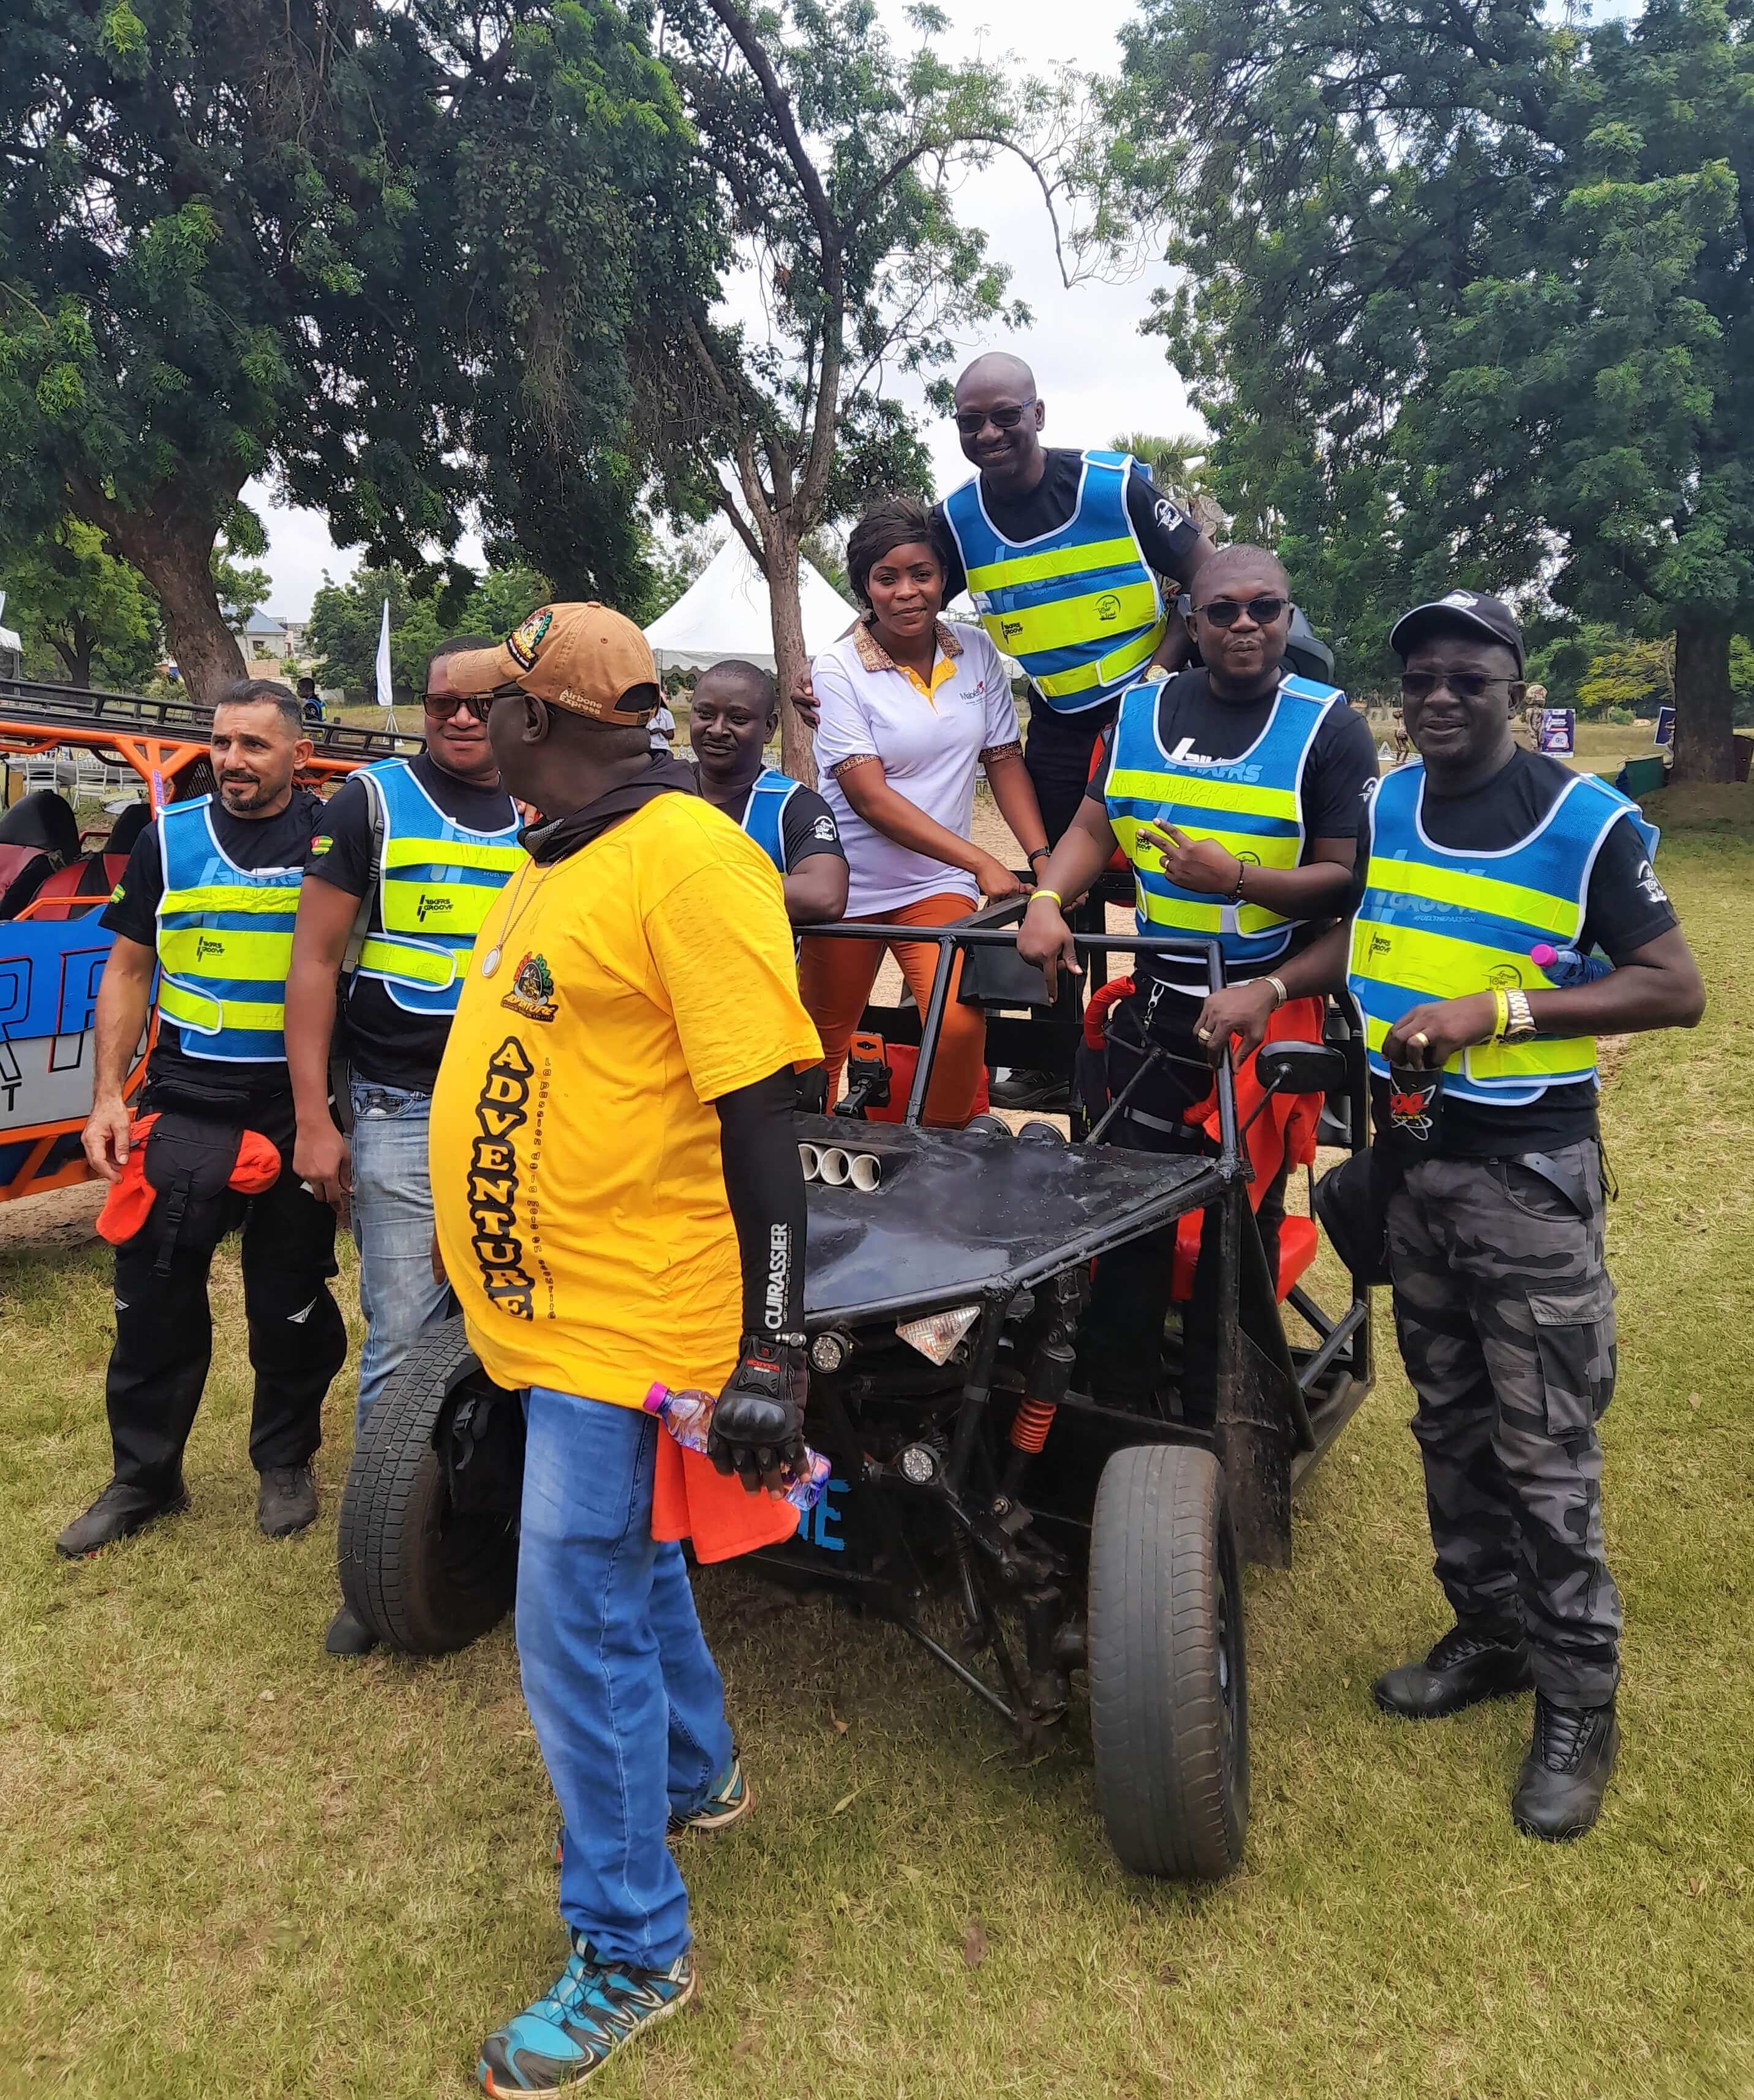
[1052,895]
[1501,1015]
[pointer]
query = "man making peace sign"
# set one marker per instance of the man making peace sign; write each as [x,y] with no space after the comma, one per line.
[1235,790]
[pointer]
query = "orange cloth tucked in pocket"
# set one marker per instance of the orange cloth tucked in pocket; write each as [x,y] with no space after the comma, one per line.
[691,1500]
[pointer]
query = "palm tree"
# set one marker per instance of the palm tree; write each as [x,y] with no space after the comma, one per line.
[1178,466]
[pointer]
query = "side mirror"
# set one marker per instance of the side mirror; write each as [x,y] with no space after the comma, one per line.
[1300,1067]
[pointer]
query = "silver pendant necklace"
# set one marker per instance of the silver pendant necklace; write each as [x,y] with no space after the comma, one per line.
[490,962]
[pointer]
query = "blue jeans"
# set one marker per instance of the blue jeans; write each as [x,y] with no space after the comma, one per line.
[392,1207]
[628,1704]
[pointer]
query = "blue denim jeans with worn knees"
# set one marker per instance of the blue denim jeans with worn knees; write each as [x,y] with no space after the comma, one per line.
[628,1704]
[392,1206]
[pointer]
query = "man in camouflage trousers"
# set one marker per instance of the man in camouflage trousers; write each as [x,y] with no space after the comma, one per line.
[1484,873]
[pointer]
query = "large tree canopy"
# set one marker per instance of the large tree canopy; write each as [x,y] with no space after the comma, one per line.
[1471,298]
[389,255]
[833,157]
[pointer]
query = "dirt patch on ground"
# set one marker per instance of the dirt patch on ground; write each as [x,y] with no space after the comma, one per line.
[63,1218]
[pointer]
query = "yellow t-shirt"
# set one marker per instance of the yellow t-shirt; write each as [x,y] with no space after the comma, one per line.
[576,1180]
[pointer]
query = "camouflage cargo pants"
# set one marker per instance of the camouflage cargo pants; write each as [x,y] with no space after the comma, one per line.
[1506,1318]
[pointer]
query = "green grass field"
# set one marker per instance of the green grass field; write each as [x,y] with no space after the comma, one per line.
[232,1868]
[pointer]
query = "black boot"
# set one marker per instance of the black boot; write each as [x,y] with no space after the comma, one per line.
[1566,1772]
[118,1512]
[348,1635]
[1463,1668]
[286,1501]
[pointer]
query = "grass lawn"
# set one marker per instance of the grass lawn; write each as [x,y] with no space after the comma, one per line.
[232,1868]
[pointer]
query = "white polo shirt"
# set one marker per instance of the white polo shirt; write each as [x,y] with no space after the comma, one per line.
[931,747]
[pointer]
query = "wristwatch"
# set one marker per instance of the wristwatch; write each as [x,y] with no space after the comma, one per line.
[1522,1023]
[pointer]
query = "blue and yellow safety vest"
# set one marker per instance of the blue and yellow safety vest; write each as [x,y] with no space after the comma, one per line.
[1252,805]
[764,813]
[1078,607]
[1438,922]
[225,942]
[436,880]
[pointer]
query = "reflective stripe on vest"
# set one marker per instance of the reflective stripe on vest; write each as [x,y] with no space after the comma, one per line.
[224,941]
[1437,922]
[764,813]
[1078,607]
[437,881]
[1252,805]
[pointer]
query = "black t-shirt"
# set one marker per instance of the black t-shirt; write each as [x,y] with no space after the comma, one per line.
[172,1076]
[1167,533]
[1624,906]
[808,826]
[1193,722]
[384,1044]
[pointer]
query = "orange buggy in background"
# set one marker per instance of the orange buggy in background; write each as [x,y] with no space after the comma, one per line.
[58,741]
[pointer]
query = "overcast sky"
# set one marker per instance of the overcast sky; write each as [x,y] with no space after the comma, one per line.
[1096,372]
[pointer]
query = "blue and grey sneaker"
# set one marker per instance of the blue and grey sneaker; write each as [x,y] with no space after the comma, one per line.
[730,1801]
[593,2008]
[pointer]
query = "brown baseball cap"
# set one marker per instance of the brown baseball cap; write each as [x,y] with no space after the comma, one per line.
[581,657]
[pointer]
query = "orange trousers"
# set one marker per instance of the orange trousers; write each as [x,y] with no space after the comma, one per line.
[834,981]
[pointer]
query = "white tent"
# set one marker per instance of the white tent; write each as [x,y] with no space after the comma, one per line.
[725,612]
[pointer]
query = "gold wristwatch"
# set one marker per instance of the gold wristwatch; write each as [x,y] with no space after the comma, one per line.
[1522,1024]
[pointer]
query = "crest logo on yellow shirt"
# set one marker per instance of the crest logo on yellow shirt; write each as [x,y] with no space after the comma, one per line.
[532,992]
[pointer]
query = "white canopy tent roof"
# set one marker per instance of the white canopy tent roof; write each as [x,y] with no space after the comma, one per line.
[725,612]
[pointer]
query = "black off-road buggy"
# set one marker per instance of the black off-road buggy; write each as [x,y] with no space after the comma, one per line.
[1019,1529]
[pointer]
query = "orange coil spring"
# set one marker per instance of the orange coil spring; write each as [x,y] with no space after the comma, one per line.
[1030,1424]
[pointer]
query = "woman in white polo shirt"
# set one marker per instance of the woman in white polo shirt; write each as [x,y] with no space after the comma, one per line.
[911,708]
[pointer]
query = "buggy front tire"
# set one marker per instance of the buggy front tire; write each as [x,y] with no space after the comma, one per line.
[425,1578]
[1169,1700]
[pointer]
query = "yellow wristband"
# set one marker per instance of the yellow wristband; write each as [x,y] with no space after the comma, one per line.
[1501,1004]
[1036,895]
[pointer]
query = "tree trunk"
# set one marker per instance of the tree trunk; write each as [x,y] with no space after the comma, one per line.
[75,652]
[791,660]
[176,561]
[1705,705]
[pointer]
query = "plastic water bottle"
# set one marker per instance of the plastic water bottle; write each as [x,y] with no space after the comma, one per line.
[1565,967]
[688,1416]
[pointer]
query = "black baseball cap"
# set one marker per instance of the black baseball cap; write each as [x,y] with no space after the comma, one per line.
[1489,616]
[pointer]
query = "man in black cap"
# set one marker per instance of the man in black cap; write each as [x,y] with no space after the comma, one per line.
[1487,877]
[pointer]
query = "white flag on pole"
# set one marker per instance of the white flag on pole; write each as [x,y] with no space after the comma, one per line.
[386,696]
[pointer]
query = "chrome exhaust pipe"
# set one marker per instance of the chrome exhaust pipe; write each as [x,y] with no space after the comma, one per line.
[833,1166]
[865,1170]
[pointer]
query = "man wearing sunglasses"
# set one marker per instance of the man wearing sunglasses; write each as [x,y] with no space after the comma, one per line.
[1476,864]
[409,855]
[1235,790]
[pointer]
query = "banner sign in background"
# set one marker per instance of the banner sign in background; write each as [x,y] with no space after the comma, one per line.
[1558,730]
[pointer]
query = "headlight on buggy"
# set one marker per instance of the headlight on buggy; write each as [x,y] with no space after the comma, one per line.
[937,1334]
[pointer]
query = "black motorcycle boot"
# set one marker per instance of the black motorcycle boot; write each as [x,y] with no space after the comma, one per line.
[286,1501]
[118,1512]
[1463,1668]
[348,1635]
[1566,1772]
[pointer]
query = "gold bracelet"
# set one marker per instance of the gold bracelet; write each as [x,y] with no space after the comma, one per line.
[1278,985]
[1501,1021]
[1036,895]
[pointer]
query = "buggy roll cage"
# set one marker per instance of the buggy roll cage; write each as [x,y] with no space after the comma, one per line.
[1261,1380]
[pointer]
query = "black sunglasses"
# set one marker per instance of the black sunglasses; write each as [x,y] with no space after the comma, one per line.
[1465,684]
[1226,611]
[442,706]
[971,422]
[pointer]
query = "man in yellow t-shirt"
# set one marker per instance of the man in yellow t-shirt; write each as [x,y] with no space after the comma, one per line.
[618,1198]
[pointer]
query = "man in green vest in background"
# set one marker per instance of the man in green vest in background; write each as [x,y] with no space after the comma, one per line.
[408,856]
[1494,888]
[208,899]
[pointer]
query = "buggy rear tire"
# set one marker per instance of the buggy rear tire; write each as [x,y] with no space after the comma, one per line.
[425,1578]
[1169,1700]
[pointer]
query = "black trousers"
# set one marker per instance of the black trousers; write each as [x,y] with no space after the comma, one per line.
[164,1330]
[1122,1352]
[1057,759]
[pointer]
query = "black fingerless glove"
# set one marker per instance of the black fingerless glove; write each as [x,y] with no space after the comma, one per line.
[757,1428]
